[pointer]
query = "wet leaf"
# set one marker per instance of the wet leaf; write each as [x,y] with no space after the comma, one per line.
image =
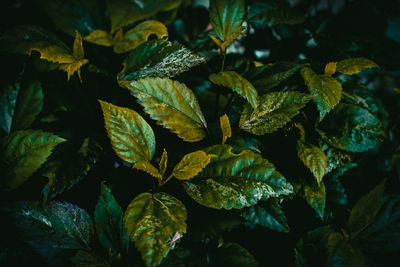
[172,105]
[225,127]
[354,65]
[152,220]
[191,165]
[131,136]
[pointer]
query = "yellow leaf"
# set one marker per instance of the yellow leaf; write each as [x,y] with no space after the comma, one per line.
[225,127]
[146,166]
[354,65]
[191,165]
[313,158]
[330,68]
[72,67]
[78,47]
[100,37]
[302,132]
[163,162]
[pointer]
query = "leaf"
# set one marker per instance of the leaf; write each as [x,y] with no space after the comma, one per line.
[172,105]
[316,197]
[232,254]
[225,127]
[268,214]
[226,18]
[23,152]
[109,220]
[236,180]
[152,220]
[146,166]
[354,65]
[343,253]
[8,101]
[29,105]
[140,34]
[274,13]
[132,138]
[238,84]
[163,162]
[158,58]
[326,90]
[191,165]
[100,37]
[351,128]
[313,158]
[273,112]
[84,259]
[79,58]
[330,68]
[364,211]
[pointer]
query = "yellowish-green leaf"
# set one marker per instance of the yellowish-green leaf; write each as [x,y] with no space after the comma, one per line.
[146,166]
[140,34]
[172,105]
[73,67]
[154,223]
[313,158]
[131,137]
[77,50]
[100,37]
[354,65]
[326,91]
[330,68]
[315,195]
[273,112]
[225,127]
[238,84]
[163,162]
[191,165]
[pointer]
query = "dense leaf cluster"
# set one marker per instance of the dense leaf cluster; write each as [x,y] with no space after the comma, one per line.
[195,133]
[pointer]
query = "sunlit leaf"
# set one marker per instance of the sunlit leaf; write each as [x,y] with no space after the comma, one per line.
[152,221]
[313,158]
[238,84]
[162,167]
[23,152]
[354,65]
[326,90]
[172,105]
[191,165]
[273,112]
[131,136]
[330,68]
[146,166]
[236,180]
[225,127]
[158,58]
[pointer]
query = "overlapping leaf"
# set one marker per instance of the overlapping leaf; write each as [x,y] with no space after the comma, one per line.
[152,220]
[191,165]
[273,112]
[315,195]
[172,105]
[236,180]
[354,65]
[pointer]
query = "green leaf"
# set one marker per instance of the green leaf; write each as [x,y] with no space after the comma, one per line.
[274,12]
[354,65]
[109,220]
[238,84]
[191,164]
[29,105]
[268,214]
[232,254]
[313,158]
[140,34]
[158,58]
[172,105]
[225,127]
[8,101]
[315,195]
[226,18]
[23,152]
[365,210]
[84,259]
[131,137]
[273,112]
[351,128]
[100,37]
[146,166]
[236,180]
[343,253]
[154,222]
[326,91]
[162,167]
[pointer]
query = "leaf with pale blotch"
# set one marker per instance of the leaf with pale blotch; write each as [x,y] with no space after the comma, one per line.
[152,220]
[140,34]
[162,167]
[226,18]
[146,166]
[236,180]
[268,214]
[23,152]
[191,164]
[110,226]
[330,68]
[315,195]
[354,65]
[365,210]
[238,84]
[158,58]
[273,112]
[313,158]
[131,136]
[172,105]
[100,37]
[351,128]
[326,90]
[225,127]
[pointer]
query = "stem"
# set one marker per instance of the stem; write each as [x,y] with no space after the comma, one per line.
[166,180]
[223,53]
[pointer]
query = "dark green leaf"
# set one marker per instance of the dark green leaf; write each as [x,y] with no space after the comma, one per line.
[274,12]
[85,259]
[232,254]
[8,101]
[316,197]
